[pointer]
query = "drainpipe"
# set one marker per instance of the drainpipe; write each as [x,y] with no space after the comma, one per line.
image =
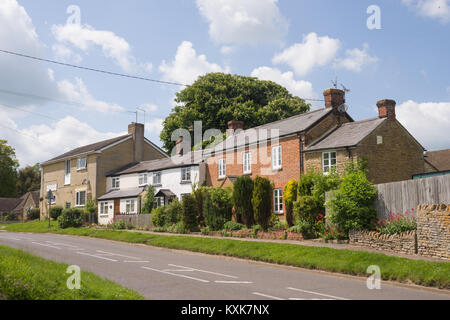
[301,141]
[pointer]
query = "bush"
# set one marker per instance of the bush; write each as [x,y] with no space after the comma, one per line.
[33,214]
[121,225]
[149,200]
[290,196]
[189,212]
[255,229]
[199,195]
[70,218]
[217,208]
[90,206]
[206,231]
[262,201]
[233,226]
[396,223]
[242,197]
[352,206]
[178,228]
[12,216]
[55,212]
[173,212]
[159,217]
[305,228]
[306,209]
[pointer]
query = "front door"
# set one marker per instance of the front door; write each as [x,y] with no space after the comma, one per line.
[116,207]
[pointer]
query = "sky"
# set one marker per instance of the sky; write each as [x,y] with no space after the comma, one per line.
[379,49]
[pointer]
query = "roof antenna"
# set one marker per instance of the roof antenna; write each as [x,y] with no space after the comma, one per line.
[344,88]
[142,111]
[335,82]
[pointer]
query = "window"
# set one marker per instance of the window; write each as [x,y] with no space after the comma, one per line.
[130,206]
[115,183]
[185,174]
[328,161]
[159,202]
[278,200]
[80,198]
[276,158]
[222,168]
[156,178]
[67,173]
[68,205]
[81,163]
[142,179]
[247,163]
[103,208]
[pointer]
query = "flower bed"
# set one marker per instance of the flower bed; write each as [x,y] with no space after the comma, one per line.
[273,235]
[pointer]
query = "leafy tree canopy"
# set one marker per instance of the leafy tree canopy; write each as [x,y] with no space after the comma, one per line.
[217,98]
[29,179]
[8,170]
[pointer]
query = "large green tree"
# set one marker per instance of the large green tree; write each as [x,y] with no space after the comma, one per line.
[217,98]
[29,179]
[8,170]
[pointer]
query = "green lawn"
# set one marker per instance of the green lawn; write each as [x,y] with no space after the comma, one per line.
[27,277]
[426,273]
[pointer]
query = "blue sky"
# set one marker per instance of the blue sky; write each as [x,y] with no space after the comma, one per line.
[299,44]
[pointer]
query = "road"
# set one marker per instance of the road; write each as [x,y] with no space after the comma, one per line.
[177,275]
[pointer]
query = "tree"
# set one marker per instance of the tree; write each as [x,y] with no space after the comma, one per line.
[149,200]
[189,212]
[29,179]
[262,201]
[8,170]
[242,195]
[217,207]
[217,98]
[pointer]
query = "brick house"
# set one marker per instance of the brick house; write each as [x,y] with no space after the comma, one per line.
[318,140]
[80,174]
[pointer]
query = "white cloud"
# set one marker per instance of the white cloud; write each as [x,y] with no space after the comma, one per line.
[435,9]
[77,93]
[299,88]
[448,90]
[64,54]
[356,58]
[149,107]
[243,22]
[225,50]
[428,122]
[19,74]
[39,143]
[313,51]
[85,36]
[187,65]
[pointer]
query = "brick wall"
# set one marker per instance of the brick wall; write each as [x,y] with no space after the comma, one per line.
[433,231]
[404,243]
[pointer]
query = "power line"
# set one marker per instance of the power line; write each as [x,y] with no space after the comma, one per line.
[92,69]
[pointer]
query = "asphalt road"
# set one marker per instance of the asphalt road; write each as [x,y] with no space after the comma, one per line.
[175,275]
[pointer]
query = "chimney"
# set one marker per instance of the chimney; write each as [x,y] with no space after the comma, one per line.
[386,109]
[235,125]
[179,147]
[334,98]
[137,131]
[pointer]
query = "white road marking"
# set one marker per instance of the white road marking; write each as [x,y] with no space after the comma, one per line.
[267,296]
[11,238]
[233,282]
[46,245]
[116,254]
[95,256]
[134,261]
[317,293]
[308,299]
[176,275]
[62,244]
[204,271]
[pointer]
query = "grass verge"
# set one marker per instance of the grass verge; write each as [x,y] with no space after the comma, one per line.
[27,277]
[426,273]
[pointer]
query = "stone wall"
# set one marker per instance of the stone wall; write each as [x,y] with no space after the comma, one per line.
[404,243]
[433,231]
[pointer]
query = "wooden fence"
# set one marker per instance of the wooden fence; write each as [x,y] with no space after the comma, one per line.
[140,221]
[403,196]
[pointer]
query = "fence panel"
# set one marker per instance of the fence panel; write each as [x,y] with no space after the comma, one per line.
[141,221]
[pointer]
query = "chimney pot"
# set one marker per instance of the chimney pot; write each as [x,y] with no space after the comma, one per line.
[334,98]
[386,109]
[235,125]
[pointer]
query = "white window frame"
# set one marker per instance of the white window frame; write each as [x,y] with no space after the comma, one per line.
[247,163]
[130,206]
[104,208]
[277,158]
[67,168]
[326,168]
[222,168]
[186,174]
[143,179]
[115,183]
[157,174]
[159,202]
[82,163]
[278,201]
[78,198]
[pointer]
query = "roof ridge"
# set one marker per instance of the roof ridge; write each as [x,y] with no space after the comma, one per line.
[288,118]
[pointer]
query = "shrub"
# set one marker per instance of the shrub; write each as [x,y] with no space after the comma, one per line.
[12,216]
[70,218]
[290,196]
[217,208]
[90,206]
[159,217]
[306,209]
[255,229]
[189,212]
[173,212]
[233,226]
[121,225]
[55,212]
[352,206]
[33,213]
[305,228]
[396,223]
[242,197]
[178,228]
[262,201]
[149,200]
[199,195]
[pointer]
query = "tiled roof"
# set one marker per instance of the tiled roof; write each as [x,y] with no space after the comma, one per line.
[298,123]
[8,204]
[122,193]
[191,158]
[89,148]
[347,135]
[440,159]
